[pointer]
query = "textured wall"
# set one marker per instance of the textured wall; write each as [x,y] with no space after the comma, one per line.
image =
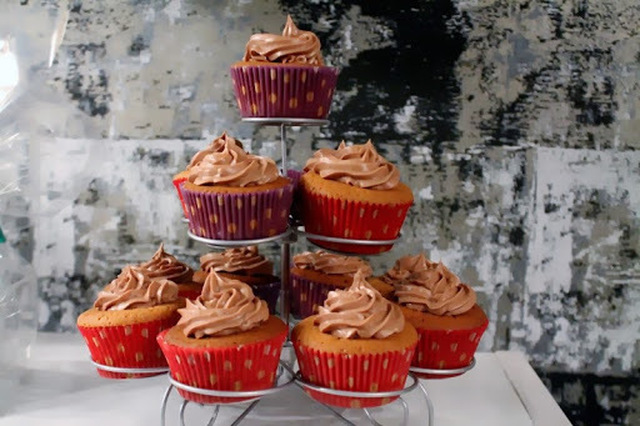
[515,122]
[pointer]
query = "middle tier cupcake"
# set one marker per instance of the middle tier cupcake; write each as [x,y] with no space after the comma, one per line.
[233,195]
[352,192]
[314,275]
[244,264]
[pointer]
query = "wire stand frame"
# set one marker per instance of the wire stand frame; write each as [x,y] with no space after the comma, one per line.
[128,370]
[253,397]
[238,243]
[309,235]
[410,386]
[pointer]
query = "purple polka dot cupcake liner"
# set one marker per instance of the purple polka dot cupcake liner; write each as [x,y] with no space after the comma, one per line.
[284,91]
[238,216]
[296,206]
[307,295]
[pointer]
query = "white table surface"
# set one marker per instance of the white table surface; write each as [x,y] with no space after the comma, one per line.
[62,388]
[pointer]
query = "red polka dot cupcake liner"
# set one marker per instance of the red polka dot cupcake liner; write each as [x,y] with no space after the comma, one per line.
[446,349]
[333,217]
[128,346]
[246,367]
[238,216]
[355,373]
[307,295]
[177,182]
[188,293]
[291,91]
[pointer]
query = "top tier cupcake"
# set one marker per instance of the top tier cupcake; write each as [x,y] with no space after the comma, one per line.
[284,76]
[353,192]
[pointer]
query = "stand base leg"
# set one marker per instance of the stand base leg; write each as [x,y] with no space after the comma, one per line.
[429,404]
[212,419]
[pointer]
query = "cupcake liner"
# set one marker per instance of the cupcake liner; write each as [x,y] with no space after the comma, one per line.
[294,91]
[188,293]
[296,206]
[354,372]
[238,216]
[307,295]
[127,346]
[269,293]
[177,183]
[247,367]
[446,349]
[352,219]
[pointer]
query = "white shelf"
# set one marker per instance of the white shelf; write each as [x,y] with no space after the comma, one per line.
[64,389]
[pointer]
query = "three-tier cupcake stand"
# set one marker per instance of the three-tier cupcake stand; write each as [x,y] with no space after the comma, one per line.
[287,374]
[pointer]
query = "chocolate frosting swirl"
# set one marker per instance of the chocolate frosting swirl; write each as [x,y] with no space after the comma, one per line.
[293,46]
[164,265]
[359,312]
[430,287]
[240,259]
[216,145]
[409,268]
[357,165]
[224,307]
[232,166]
[332,264]
[134,289]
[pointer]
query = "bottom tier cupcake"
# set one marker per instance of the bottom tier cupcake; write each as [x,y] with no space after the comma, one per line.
[442,309]
[120,330]
[225,340]
[358,342]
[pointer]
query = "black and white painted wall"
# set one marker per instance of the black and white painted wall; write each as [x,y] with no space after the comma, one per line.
[514,121]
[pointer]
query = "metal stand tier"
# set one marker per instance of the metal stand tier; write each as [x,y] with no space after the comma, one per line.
[444,372]
[132,371]
[300,231]
[238,243]
[252,397]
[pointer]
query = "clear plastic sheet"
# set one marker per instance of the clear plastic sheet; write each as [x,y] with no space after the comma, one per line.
[30,35]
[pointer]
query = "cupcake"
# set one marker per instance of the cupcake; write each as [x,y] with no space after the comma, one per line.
[225,340]
[216,145]
[284,76]
[359,342]
[233,195]
[315,274]
[164,265]
[121,328]
[442,309]
[247,265]
[353,192]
